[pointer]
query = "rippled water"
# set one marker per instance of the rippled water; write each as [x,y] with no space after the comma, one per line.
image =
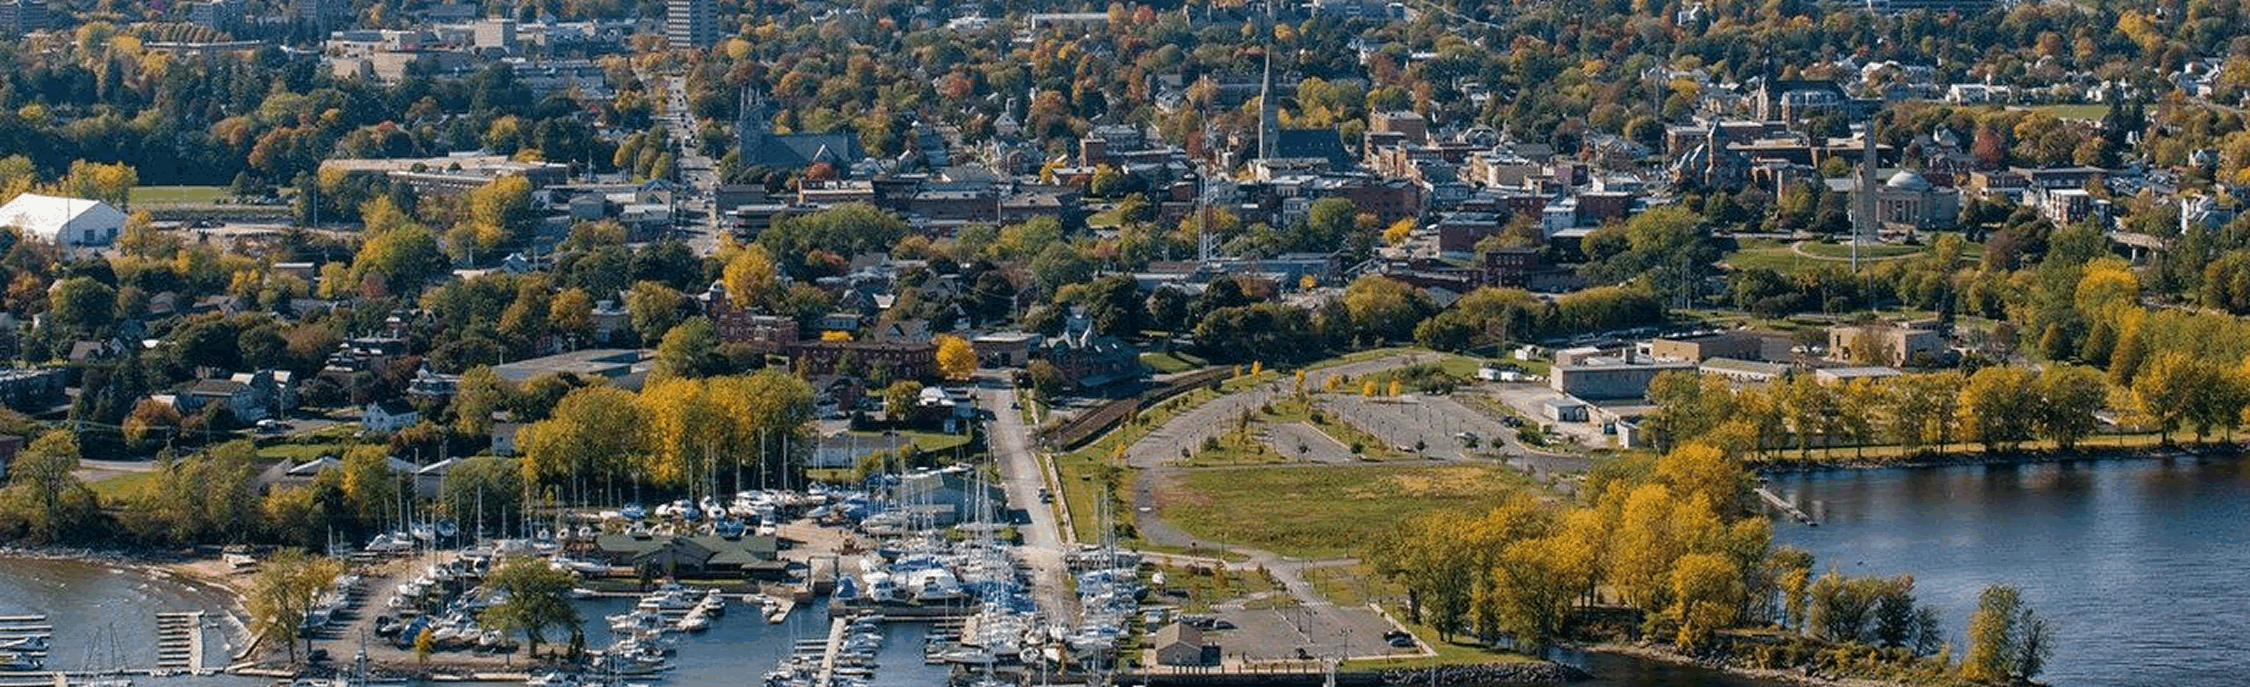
[2143,563]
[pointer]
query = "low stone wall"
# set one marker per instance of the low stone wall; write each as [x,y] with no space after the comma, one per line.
[1525,672]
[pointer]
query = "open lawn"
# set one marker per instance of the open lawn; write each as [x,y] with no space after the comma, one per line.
[125,488]
[1195,590]
[1324,511]
[299,453]
[178,195]
[2086,112]
[1873,251]
[928,442]
[1169,362]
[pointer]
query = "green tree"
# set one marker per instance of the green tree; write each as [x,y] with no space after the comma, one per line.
[1384,309]
[1999,405]
[82,306]
[2069,395]
[688,350]
[479,394]
[654,309]
[899,398]
[46,472]
[2007,641]
[538,600]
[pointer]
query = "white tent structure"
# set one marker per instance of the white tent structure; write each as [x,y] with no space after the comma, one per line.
[76,222]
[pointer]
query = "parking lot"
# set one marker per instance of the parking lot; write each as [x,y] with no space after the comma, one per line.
[1435,422]
[1324,630]
[1306,442]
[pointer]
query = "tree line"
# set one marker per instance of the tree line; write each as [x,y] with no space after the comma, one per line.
[1667,538]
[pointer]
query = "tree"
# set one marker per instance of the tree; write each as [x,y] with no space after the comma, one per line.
[288,583]
[688,350]
[1998,405]
[751,279]
[82,306]
[1384,309]
[899,398]
[593,437]
[654,309]
[1997,638]
[47,470]
[1707,595]
[956,359]
[538,600]
[499,213]
[1045,378]
[479,394]
[398,262]
[371,488]
[2069,395]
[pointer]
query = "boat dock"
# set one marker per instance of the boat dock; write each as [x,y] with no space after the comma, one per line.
[827,675]
[1783,505]
[179,641]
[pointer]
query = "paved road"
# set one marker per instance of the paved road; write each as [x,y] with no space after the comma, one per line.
[1022,478]
[697,171]
[1301,441]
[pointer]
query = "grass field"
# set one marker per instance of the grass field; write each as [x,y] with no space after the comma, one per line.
[178,195]
[1879,251]
[1169,362]
[1326,511]
[1196,590]
[128,487]
[2087,112]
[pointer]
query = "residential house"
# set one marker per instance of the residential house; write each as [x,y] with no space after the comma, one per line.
[389,416]
[246,404]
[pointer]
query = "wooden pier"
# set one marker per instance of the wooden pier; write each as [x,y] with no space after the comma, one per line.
[827,675]
[1786,507]
[179,641]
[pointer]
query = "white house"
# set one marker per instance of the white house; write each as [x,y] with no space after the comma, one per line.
[389,416]
[63,221]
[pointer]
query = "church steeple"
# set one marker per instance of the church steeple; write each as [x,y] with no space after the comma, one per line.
[751,114]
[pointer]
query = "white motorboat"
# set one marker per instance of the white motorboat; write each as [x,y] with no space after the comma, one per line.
[552,680]
[29,644]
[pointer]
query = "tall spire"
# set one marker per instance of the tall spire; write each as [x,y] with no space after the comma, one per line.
[1269,124]
[1865,227]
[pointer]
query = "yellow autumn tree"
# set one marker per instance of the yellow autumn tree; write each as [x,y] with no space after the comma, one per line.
[956,359]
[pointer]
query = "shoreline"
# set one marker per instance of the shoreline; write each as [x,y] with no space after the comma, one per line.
[1949,459]
[1651,653]
[156,566]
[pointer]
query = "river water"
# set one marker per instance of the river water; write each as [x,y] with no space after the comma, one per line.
[2142,563]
